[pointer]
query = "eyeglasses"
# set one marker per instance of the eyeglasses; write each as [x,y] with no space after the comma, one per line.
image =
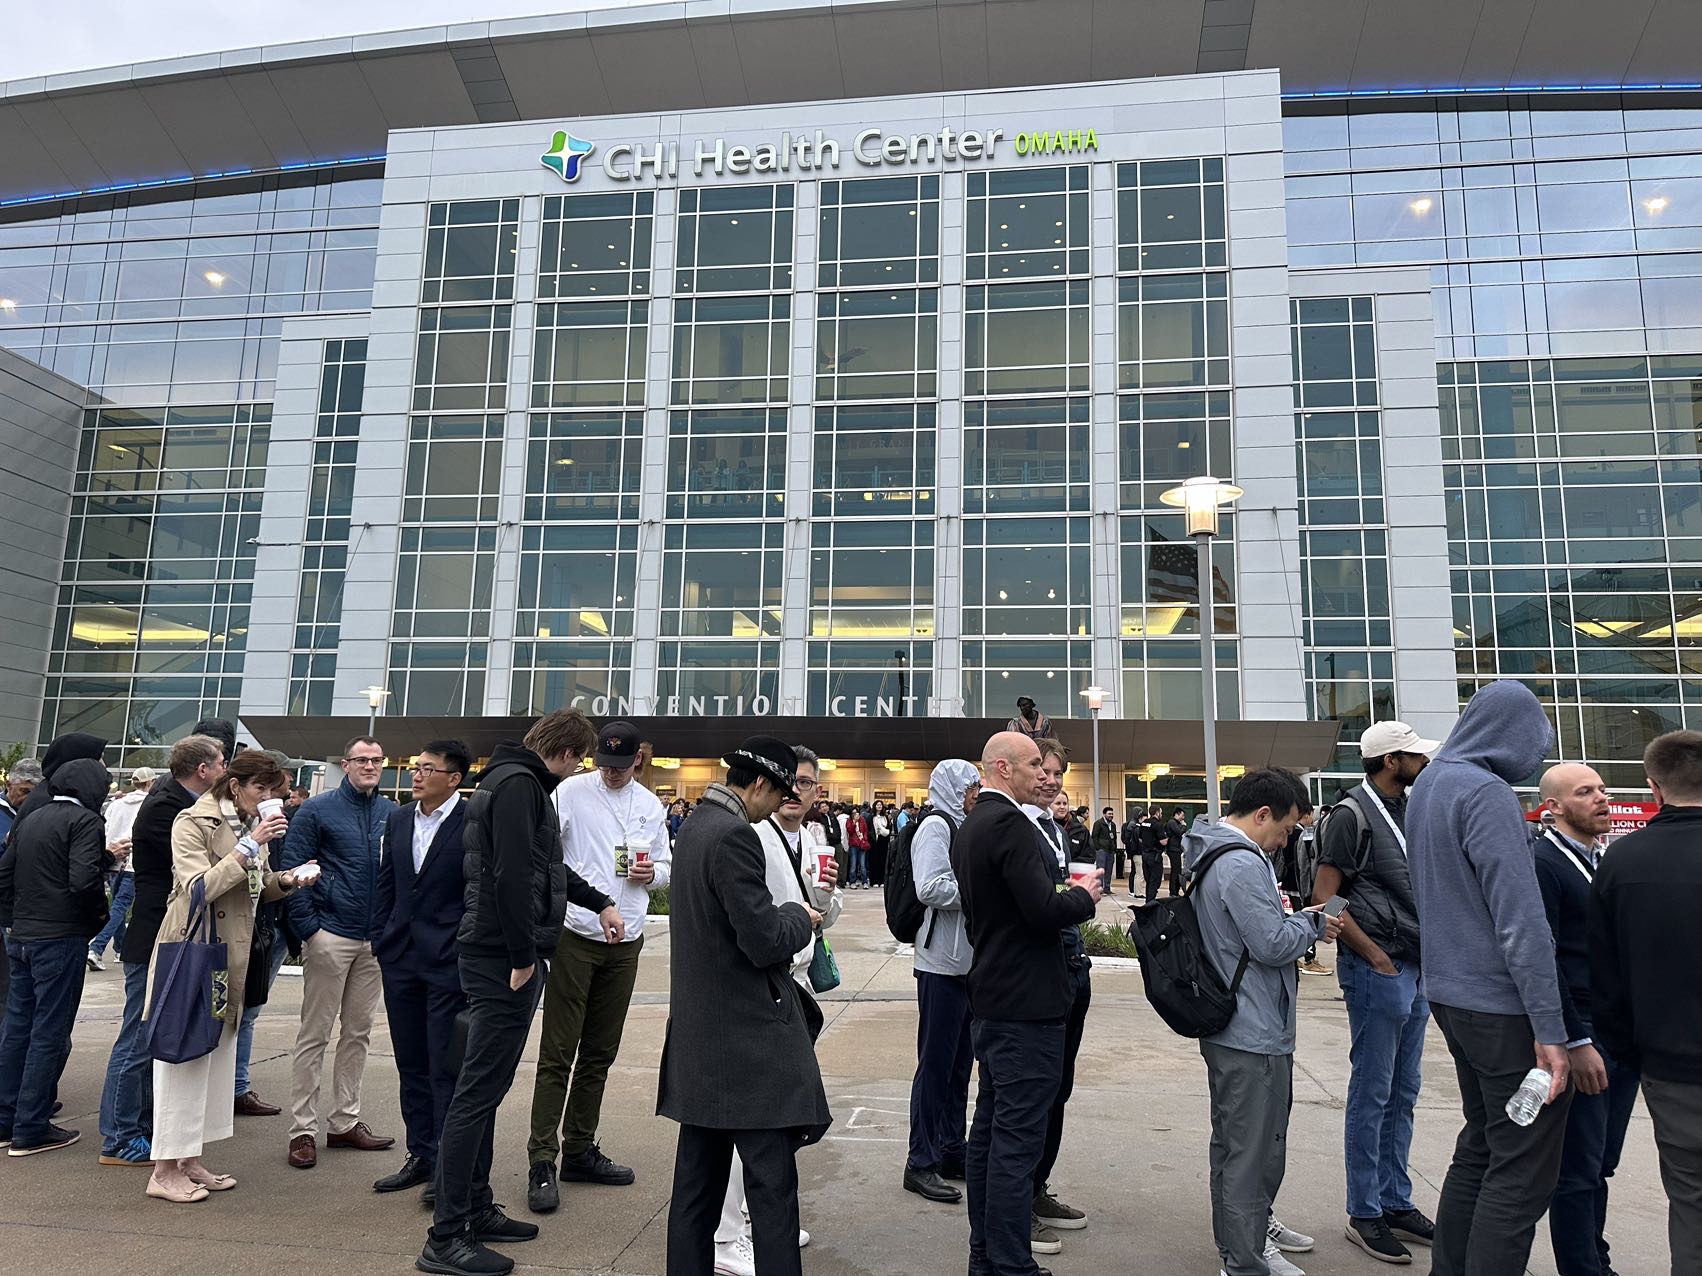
[368,761]
[428,769]
[803,785]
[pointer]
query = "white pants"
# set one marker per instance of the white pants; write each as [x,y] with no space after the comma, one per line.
[192,1101]
[734,1221]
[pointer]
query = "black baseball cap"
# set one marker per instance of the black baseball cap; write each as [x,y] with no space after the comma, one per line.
[617,745]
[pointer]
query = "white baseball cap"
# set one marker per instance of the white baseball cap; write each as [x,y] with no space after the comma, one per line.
[1382,738]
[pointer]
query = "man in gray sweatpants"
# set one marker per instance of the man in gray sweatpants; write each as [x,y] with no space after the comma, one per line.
[1250,1064]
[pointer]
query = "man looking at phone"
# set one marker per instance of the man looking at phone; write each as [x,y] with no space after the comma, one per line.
[1363,858]
[1250,1064]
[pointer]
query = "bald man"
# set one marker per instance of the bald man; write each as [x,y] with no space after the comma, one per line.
[1020,993]
[1566,855]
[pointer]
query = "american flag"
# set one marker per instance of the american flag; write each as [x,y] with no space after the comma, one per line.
[1173,574]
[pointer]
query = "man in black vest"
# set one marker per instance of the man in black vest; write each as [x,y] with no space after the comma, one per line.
[1567,854]
[517,889]
[420,906]
[1020,993]
[739,1066]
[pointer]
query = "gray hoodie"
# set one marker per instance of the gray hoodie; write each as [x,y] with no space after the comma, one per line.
[1238,907]
[942,946]
[1473,872]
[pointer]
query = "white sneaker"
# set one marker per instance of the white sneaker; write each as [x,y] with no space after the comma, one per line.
[735,1258]
[1279,1265]
[803,1238]
[1287,1239]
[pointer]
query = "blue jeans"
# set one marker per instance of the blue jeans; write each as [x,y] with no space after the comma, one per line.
[859,867]
[41,1009]
[1386,1017]
[1021,1067]
[123,894]
[1595,1136]
[127,1098]
[245,1034]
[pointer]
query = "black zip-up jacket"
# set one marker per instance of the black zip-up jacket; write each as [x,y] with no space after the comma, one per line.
[517,888]
[150,862]
[1646,947]
[52,883]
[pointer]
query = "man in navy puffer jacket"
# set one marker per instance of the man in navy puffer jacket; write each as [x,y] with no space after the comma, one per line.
[344,831]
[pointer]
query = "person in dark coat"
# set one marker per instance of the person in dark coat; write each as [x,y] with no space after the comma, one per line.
[52,899]
[420,907]
[738,1064]
[126,1100]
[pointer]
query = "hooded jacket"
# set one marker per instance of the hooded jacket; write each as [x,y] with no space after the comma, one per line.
[1239,907]
[52,884]
[78,745]
[942,945]
[1473,872]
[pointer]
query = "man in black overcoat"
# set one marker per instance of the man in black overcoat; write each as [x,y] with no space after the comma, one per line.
[739,1065]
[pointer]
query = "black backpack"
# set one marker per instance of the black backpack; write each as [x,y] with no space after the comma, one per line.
[904,911]
[1181,983]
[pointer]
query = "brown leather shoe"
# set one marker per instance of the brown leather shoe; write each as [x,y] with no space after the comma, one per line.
[250,1104]
[304,1152]
[360,1138]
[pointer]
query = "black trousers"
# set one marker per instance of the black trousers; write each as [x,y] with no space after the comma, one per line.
[939,1092]
[1073,1027]
[1021,1064]
[1175,858]
[497,1022]
[421,1007]
[702,1161]
[1595,1136]
[1152,870]
[1503,1174]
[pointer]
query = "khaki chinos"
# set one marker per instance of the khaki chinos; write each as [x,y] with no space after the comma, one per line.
[340,979]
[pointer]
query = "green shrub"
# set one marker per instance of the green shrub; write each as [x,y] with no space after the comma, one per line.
[659,903]
[1107,941]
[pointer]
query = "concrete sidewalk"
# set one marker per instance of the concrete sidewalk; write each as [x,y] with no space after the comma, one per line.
[1134,1154]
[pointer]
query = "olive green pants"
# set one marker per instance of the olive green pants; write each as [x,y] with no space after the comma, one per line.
[585,1003]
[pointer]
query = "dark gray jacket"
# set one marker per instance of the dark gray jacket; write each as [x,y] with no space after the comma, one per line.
[738,1053]
[1375,878]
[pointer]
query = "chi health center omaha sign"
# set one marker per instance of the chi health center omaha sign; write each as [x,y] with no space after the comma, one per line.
[806,152]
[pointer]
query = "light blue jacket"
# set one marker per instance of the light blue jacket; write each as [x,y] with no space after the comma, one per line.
[1238,906]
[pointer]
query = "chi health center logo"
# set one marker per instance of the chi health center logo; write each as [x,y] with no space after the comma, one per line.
[566,156]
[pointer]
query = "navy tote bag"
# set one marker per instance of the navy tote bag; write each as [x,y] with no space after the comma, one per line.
[191,988]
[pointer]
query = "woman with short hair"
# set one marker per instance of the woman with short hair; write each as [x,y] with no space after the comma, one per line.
[220,841]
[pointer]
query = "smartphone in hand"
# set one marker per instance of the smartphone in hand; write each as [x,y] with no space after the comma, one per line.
[1334,905]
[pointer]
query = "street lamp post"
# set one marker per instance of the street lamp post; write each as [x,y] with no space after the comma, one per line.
[1095,697]
[1201,500]
[374,697]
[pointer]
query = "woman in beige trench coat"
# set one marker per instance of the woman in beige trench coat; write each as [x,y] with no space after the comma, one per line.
[222,841]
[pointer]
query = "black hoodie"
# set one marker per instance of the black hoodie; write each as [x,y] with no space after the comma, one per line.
[52,883]
[67,748]
[518,886]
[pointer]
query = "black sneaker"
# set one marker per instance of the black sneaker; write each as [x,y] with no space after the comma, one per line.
[541,1194]
[1413,1227]
[492,1227]
[591,1166]
[462,1255]
[1373,1236]
[1054,1213]
[53,1139]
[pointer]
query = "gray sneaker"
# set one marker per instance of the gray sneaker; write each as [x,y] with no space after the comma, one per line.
[1054,1213]
[1043,1240]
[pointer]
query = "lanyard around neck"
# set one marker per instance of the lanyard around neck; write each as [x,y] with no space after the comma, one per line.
[1560,839]
[1377,801]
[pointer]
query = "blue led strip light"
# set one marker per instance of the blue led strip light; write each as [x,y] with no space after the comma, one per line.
[184,181]
[1493,90]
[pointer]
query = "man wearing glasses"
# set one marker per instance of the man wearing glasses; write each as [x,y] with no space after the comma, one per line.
[344,831]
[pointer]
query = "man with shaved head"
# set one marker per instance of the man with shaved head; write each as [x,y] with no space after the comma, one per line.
[1567,855]
[1020,994]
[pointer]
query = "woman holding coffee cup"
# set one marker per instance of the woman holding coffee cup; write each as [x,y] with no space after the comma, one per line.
[220,841]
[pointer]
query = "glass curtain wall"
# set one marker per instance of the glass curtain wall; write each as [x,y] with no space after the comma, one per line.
[874,471]
[167,304]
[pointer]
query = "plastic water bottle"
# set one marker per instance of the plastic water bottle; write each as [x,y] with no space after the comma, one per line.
[1523,1107]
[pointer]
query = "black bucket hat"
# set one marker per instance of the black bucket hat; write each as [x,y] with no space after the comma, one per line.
[769,756]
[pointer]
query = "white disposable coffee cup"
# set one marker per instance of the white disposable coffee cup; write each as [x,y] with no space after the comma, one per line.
[270,807]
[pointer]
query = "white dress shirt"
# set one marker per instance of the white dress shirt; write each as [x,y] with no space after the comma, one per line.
[594,821]
[426,827]
[783,859]
[1050,830]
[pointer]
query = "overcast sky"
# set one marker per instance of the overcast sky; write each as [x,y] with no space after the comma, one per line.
[41,37]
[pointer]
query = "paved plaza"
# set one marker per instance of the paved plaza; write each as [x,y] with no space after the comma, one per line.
[1134,1154]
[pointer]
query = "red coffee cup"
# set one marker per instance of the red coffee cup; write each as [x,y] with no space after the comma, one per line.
[823,859]
[1085,878]
[641,857]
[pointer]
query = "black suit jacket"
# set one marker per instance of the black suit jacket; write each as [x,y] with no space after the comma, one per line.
[418,914]
[150,858]
[1566,900]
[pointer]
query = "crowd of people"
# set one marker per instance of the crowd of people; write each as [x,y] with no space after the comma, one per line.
[1569,985]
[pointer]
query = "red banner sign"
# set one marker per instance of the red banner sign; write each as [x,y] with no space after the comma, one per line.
[1628,817]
